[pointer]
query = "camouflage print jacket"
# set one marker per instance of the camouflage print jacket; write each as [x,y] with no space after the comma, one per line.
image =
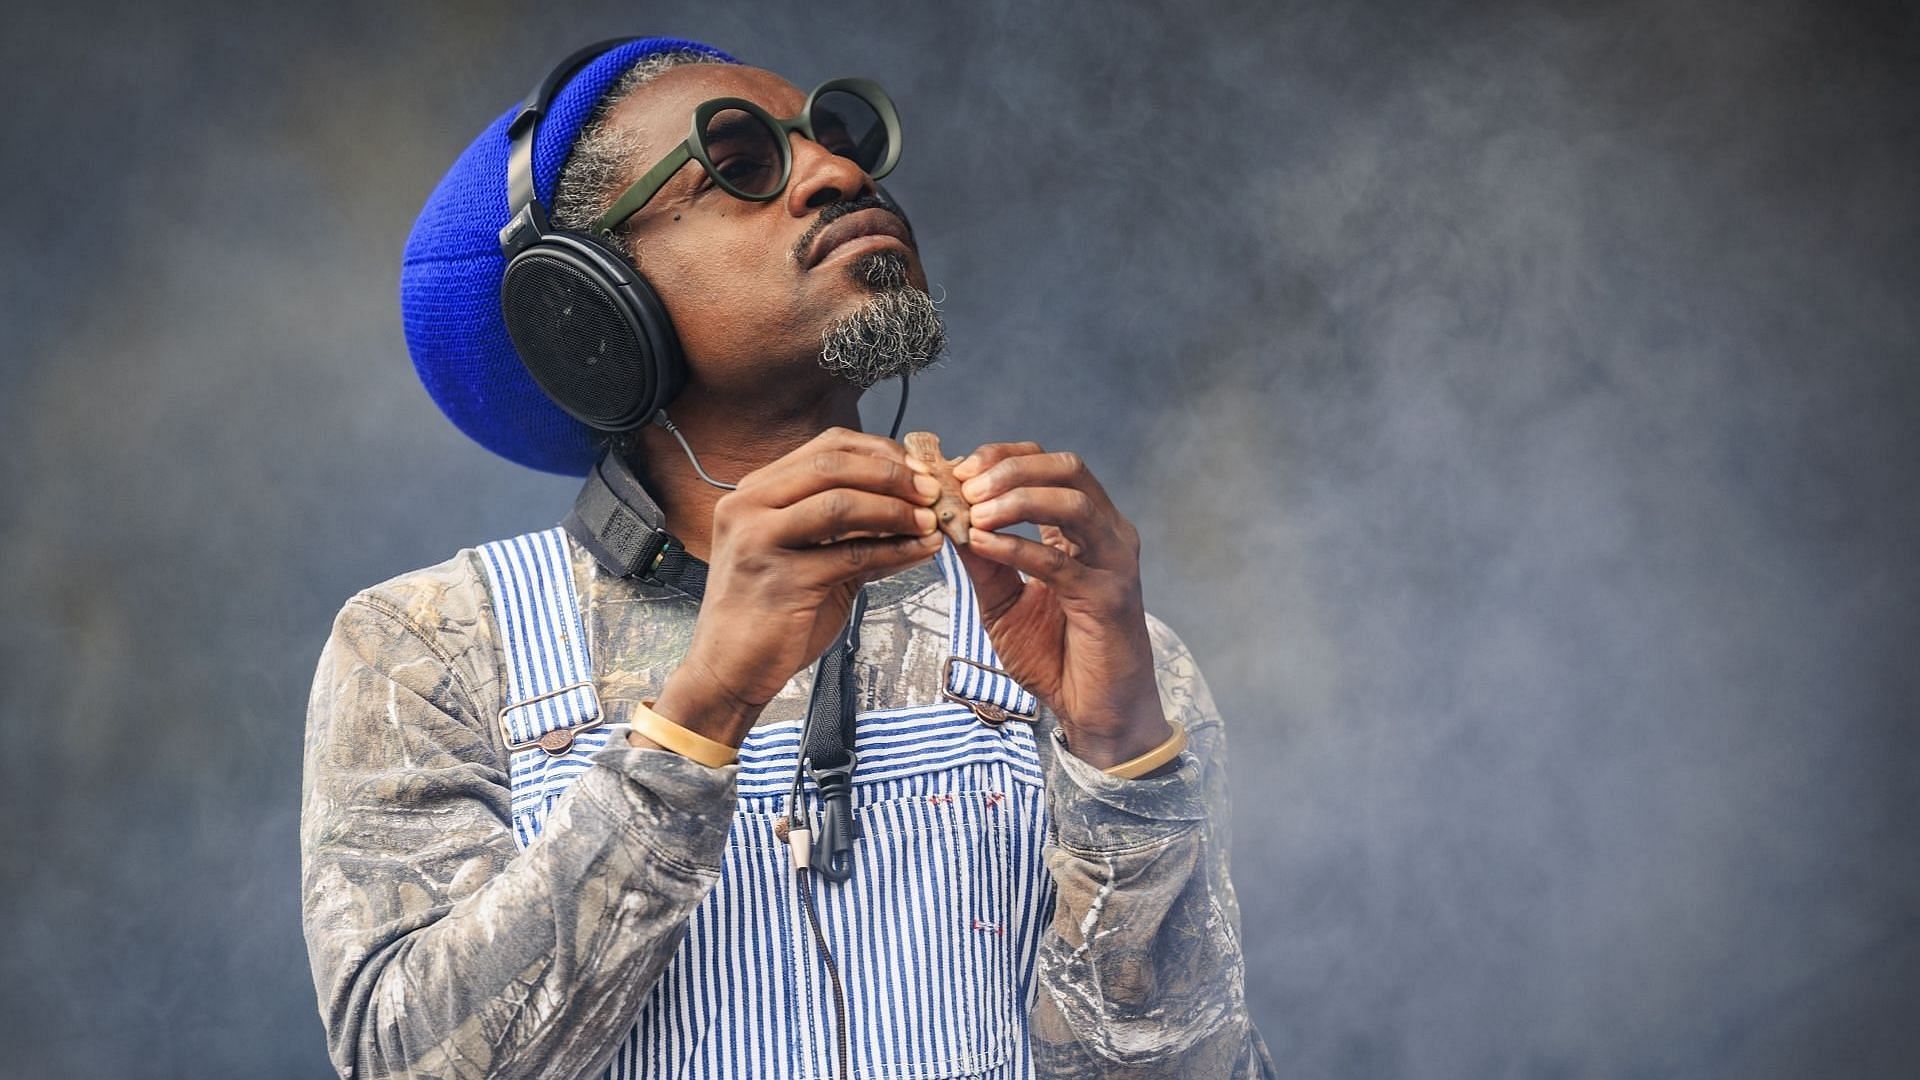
[441,950]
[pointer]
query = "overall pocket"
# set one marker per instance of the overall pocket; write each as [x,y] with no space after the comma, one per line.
[935,933]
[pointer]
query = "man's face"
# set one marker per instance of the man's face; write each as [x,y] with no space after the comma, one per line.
[739,278]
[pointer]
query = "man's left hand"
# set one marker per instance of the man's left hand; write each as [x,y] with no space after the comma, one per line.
[1075,631]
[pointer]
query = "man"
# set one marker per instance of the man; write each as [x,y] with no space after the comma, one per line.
[546,829]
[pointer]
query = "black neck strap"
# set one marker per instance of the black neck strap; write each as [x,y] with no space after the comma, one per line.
[614,518]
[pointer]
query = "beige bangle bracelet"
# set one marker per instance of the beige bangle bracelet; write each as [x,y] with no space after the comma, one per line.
[1154,758]
[686,742]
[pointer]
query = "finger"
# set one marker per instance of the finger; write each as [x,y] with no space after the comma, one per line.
[990,455]
[865,560]
[1053,537]
[804,473]
[1036,560]
[836,514]
[1064,469]
[843,439]
[846,438]
[1081,519]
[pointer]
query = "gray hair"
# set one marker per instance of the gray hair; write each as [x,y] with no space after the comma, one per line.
[598,163]
[897,330]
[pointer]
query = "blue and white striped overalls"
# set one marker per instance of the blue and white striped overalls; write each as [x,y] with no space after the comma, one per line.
[934,935]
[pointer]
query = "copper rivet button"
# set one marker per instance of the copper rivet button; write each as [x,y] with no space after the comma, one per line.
[990,713]
[557,741]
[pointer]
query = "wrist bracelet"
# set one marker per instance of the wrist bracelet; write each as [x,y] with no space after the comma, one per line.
[686,742]
[1154,758]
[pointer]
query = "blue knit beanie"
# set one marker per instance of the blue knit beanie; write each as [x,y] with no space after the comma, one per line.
[450,279]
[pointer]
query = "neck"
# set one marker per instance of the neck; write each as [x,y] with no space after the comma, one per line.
[732,438]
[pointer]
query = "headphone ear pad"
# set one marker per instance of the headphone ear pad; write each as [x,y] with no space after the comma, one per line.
[591,332]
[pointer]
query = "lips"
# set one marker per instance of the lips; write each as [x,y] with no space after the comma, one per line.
[874,221]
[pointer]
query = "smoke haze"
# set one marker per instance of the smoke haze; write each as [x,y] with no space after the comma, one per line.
[1518,403]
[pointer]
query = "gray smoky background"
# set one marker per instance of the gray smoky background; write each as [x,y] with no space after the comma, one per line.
[1518,402]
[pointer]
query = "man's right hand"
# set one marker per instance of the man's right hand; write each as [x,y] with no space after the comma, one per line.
[791,546]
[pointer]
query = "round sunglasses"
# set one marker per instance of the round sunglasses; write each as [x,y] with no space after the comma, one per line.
[747,151]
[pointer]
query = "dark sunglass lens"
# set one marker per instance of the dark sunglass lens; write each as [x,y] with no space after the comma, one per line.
[745,152]
[849,125]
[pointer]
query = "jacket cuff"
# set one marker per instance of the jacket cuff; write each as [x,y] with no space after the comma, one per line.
[1096,813]
[680,808]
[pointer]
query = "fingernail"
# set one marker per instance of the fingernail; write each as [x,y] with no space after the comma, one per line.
[926,485]
[924,518]
[919,466]
[967,467]
[975,536]
[974,488]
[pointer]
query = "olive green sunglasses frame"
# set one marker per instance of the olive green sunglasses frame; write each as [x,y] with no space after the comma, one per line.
[694,148]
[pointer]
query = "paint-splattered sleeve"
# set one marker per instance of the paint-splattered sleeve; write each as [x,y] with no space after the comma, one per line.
[439,949]
[1141,974]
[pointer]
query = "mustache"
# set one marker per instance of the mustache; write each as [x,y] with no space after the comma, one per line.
[839,210]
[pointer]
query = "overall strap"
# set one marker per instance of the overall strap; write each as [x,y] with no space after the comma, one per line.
[549,724]
[972,674]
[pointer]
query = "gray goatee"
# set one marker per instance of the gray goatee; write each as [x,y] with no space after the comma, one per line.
[897,331]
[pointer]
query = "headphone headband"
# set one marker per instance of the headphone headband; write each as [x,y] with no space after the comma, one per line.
[541,96]
[526,217]
[525,122]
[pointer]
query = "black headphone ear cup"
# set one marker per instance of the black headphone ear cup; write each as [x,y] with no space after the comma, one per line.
[591,331]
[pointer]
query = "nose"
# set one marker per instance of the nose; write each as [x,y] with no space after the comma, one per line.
[822,178]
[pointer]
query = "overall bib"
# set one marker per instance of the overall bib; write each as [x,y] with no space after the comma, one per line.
[935,933]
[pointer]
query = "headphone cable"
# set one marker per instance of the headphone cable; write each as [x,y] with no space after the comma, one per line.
[660,418]
[833,973]
[901,411]
[796,817]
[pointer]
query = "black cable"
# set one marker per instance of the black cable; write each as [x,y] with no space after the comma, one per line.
[833,973]
[901,411]
[798,818]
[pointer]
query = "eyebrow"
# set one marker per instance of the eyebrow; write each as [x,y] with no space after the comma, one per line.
[731,128]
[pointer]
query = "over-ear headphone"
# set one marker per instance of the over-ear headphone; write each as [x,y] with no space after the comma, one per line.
[589,328]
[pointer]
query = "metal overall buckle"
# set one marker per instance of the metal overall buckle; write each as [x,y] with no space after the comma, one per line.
[559,740]
[989,713]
